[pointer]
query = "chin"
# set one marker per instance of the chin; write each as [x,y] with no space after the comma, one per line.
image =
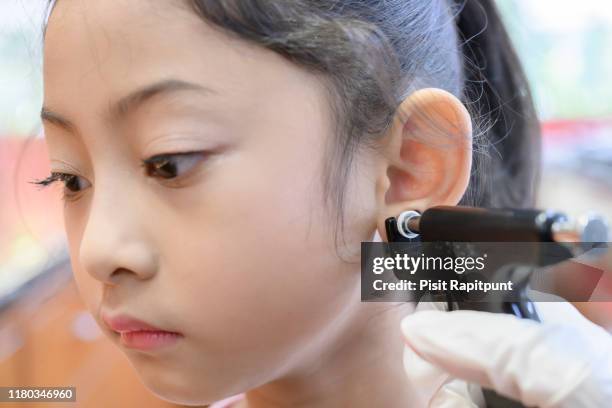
[178,389]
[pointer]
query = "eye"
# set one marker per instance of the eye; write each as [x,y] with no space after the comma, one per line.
[169,166]
[72,184]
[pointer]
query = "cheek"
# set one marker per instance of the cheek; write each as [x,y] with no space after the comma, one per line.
[255,265]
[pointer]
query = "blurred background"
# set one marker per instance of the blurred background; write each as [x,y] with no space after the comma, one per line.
[47,337]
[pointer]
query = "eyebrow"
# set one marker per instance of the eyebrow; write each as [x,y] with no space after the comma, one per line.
[123,106]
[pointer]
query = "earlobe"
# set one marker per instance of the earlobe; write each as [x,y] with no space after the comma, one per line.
[428,157]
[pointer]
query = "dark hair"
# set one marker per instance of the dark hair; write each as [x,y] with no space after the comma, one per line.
[375,53]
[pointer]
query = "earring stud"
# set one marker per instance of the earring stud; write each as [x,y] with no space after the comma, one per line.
[402,223]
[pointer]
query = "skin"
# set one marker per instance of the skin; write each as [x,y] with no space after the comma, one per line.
[236,254]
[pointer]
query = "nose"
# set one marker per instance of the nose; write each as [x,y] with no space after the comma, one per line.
[115,244]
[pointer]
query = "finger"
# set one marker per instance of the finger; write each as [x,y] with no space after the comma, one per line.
[560,312]
[458,393]
[432,387]
[520,359]
[424,380]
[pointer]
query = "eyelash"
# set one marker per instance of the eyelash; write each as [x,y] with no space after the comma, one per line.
[150,165]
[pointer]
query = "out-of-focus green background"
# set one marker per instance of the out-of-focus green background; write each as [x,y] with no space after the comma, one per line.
[565,48]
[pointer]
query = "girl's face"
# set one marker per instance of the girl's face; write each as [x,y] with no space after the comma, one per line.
[230,245]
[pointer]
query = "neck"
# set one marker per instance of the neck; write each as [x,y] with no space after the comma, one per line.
[360,367]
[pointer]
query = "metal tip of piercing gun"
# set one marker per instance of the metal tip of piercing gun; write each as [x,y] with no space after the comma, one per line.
[471,224]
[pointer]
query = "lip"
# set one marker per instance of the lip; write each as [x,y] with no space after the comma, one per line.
[138,334]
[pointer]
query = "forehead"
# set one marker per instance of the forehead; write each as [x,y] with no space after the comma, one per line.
[100,50]
[95,31]
[97,52]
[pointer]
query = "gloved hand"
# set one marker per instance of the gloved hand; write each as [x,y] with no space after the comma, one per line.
[565,361]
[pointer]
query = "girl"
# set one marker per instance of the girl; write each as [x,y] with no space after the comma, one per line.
[222,161]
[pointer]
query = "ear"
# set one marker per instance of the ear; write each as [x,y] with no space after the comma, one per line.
[427,157]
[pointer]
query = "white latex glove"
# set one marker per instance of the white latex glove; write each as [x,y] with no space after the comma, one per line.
[566,361]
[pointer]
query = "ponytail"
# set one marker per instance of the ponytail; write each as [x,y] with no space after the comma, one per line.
[497,93]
